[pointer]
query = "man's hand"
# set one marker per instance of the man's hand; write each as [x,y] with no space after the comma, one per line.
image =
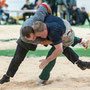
[25,8]
[44,63]
[54,55]
[48,6]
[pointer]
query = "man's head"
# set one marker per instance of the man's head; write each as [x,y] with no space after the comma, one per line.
[27,2]
[28,33]
[40,29]
[82,9]
[6,5]
[74,7]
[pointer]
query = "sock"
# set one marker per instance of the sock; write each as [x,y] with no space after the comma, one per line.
[83,40]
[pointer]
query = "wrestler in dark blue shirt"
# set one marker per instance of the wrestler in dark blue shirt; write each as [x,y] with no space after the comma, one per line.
[53,28]
[56,29]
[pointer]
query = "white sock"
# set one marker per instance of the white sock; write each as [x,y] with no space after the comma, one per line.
[84,41]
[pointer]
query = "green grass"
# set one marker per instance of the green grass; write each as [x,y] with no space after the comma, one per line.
[80,52]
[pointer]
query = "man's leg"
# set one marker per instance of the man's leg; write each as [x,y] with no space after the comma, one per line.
[82,41]
[70,54]
[74,58]
[76,41]
[45,74]
[15,63]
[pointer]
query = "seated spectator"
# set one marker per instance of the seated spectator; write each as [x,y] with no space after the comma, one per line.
[84,16]
[6,13]
[53,5]
[27,6]
[75,16]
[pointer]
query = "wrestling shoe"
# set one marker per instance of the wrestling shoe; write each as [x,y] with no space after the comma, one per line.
[4,79]
[85,43]
[83,65]
[41,82]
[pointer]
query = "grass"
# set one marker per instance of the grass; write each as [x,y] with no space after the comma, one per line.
[81,52]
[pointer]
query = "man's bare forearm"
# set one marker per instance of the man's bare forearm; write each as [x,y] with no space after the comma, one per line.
[54,55]
[56,52]
[45,42]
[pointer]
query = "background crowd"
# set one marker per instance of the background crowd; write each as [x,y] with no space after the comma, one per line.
[66,9]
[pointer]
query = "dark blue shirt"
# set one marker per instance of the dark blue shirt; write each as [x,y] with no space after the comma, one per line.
[56,28]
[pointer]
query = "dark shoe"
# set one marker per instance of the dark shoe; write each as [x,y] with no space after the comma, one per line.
[83,65]
[87,65]
[4,79]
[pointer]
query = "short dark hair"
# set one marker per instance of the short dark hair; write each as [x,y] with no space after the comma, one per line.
[82,7]
[26,31]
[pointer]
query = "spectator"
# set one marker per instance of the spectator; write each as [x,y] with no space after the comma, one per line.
[53,5]
[84,16]
[62,8]
[75,16]
[6,12]
[27,6]
[70,3]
